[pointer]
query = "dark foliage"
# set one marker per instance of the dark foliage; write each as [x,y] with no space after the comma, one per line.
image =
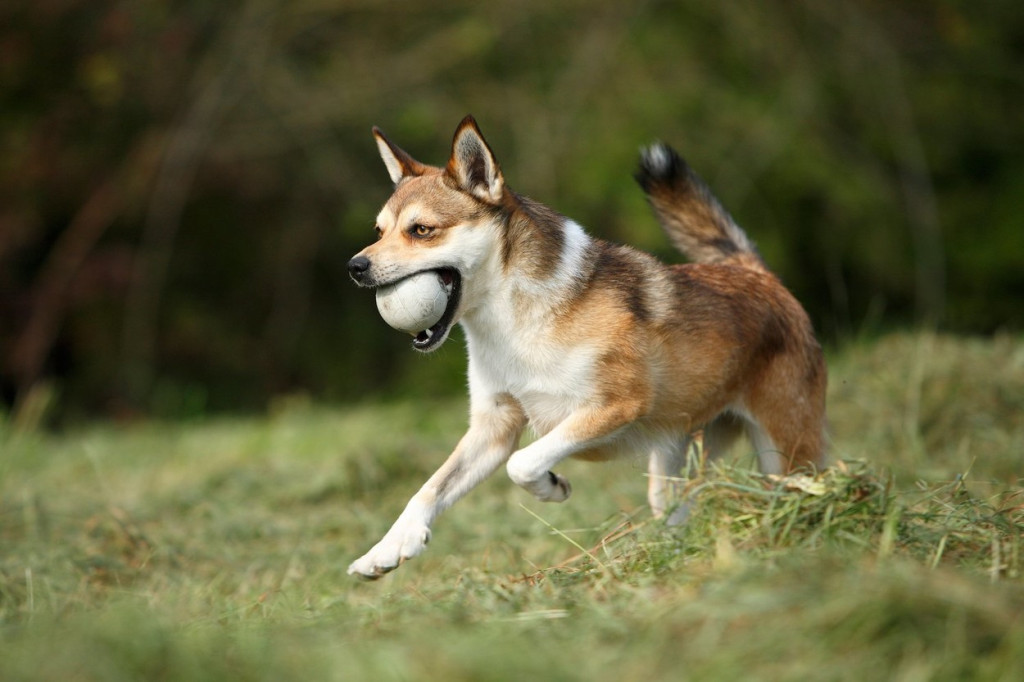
[182,183]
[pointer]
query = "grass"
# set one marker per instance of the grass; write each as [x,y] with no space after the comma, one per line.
[217,549]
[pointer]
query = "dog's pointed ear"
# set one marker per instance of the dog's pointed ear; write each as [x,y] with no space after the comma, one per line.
[400,165]
[473,165]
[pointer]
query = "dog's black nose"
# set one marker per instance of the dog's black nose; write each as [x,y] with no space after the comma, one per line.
[358,266]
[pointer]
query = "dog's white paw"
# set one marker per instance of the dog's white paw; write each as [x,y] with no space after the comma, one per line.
[558,489]
[399,544]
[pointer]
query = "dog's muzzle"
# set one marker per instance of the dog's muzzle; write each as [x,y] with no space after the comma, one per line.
[358,267]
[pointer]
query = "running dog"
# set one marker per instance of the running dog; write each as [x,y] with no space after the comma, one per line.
[601,349]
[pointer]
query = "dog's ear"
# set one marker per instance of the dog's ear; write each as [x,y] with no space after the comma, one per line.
[400,164]
[473,165]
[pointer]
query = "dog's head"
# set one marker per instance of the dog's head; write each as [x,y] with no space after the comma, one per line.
[444,219]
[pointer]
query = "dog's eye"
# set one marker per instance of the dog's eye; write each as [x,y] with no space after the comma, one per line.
[421,230]
[378,231]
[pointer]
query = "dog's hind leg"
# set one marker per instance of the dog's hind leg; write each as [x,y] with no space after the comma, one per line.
[792,442]
[721,433]
[786,414]
[664,469]
[670,463]
[769,457]
[786,438]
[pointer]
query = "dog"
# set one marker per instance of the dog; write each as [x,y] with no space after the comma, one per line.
[600,348]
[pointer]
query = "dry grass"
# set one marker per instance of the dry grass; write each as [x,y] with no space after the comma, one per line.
[216,550]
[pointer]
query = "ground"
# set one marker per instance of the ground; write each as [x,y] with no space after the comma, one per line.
[216,549]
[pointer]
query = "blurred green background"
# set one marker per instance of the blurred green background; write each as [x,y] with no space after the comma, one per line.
[181,183]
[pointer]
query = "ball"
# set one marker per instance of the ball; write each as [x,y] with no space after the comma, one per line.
[413,304]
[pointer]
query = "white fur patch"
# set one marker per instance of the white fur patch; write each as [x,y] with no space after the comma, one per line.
[571,261]
[656,158]
[511,350]
[574,253]
[395,170]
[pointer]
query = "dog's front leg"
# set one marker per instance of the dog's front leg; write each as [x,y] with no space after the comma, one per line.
[585,429]
[493,433]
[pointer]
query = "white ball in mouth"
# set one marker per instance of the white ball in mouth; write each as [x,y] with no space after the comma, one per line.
[415,303]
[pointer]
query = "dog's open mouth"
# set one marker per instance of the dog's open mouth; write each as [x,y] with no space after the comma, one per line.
[429,339]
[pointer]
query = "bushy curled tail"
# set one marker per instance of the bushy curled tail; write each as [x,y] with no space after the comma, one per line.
[690,214]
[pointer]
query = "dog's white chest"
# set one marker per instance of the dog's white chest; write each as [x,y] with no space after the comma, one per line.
[548,379]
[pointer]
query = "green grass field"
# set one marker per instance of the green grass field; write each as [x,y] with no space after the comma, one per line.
[216,549]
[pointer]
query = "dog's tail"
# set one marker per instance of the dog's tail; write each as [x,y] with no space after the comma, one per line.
[690,214]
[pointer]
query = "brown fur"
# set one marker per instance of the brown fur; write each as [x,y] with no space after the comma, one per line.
[599,347]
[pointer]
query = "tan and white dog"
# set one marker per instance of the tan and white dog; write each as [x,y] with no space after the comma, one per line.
[601,349]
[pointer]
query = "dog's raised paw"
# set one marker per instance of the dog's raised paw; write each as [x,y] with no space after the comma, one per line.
[560,488]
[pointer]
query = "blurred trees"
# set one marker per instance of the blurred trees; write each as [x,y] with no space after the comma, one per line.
[182,183]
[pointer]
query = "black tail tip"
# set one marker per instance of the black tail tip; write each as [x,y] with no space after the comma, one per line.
[659,164]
